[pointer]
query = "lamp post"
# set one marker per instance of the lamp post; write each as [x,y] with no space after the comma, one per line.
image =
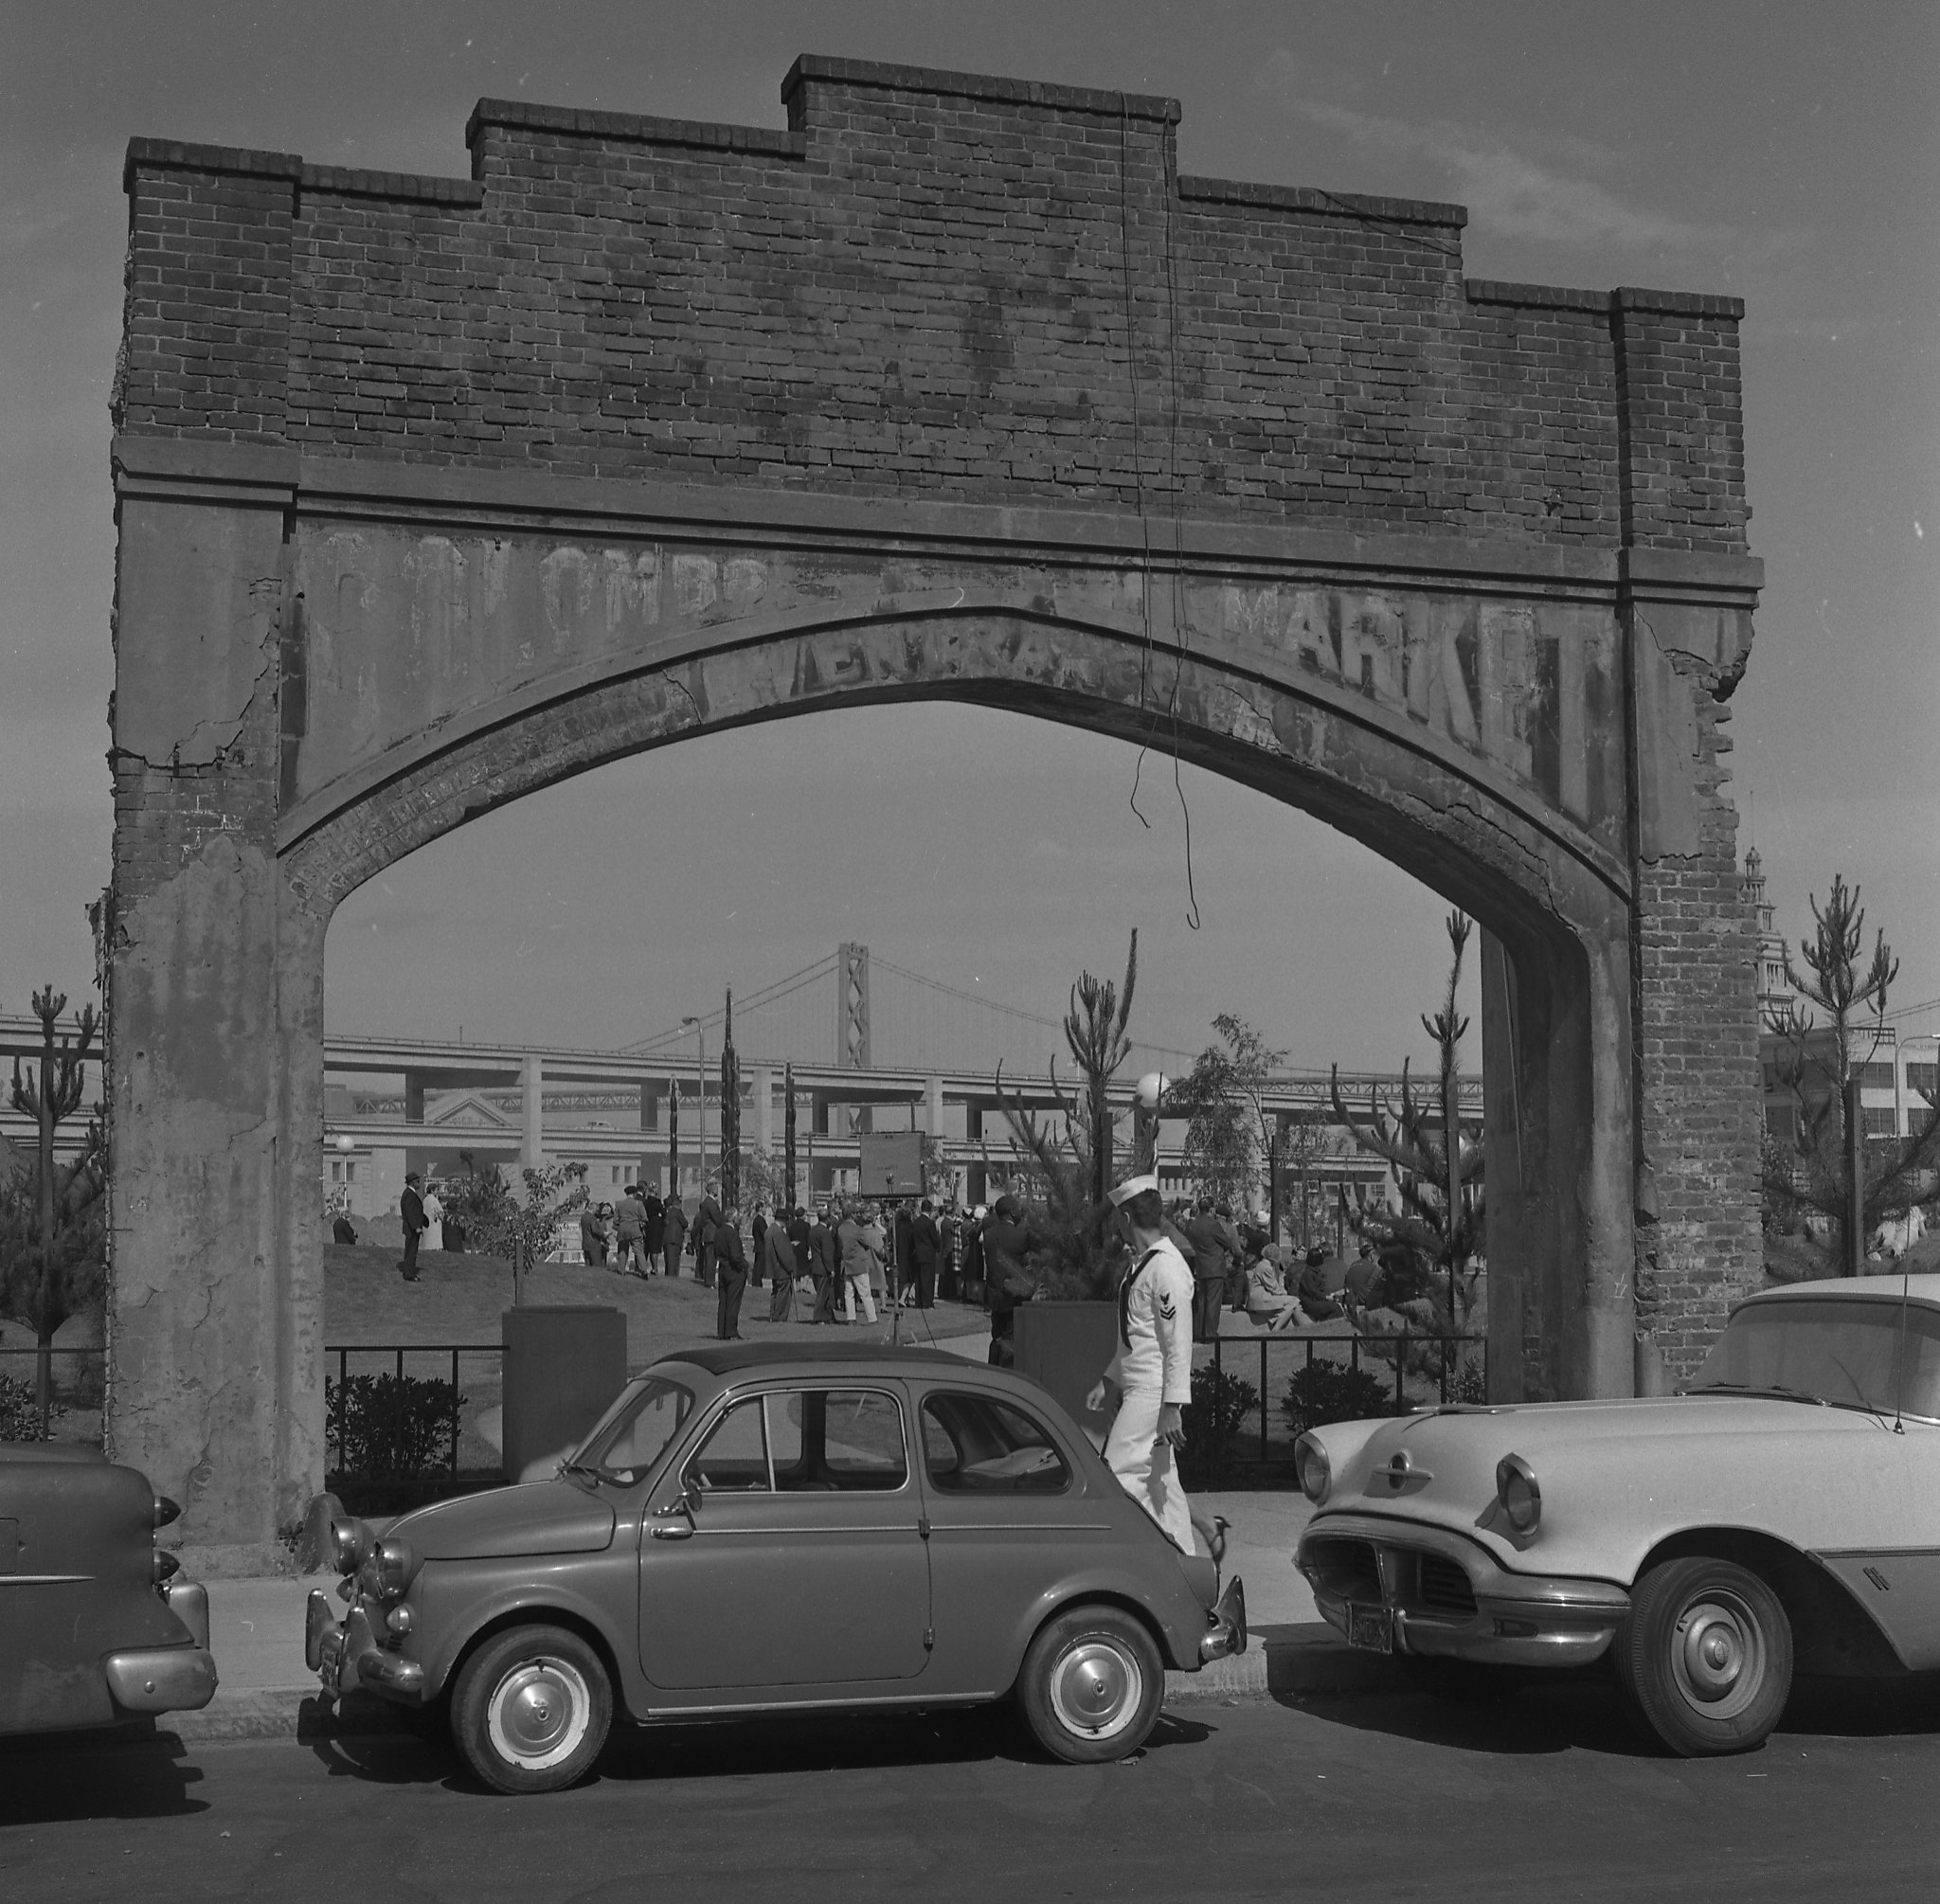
[700,1112]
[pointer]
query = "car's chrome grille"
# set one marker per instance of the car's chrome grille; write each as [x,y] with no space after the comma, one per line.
[1346,1569]
[1444,1587]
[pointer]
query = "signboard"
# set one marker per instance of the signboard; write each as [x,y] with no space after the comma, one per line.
[891,1164]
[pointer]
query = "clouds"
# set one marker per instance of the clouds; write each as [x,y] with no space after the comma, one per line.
[1510,192]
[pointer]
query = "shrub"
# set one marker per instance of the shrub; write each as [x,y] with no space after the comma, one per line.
[20,1413]
[1324,1392]
[392,1427]
[1220,1404]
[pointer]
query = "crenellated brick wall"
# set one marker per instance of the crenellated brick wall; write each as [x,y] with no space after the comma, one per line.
[928,285]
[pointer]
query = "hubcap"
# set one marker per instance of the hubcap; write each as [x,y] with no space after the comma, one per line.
[1718,1655]
[1096,1688]
[539,1713]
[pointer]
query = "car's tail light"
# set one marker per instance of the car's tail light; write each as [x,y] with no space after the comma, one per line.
[1315,1473]
[1516,1488]
[166,1511]
[163,1566]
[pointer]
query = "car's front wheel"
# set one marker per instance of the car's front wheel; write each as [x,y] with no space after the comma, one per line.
[531,1709]
[1093,1685]
[1705,1657]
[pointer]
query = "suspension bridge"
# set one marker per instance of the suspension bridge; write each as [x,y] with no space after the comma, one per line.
[866,1012]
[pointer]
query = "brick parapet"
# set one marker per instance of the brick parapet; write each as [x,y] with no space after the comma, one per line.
[937,284]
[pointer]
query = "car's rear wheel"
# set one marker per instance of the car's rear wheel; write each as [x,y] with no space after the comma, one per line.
[1092,1685]
[1705,1657]
[531,1708]
[1461,1682]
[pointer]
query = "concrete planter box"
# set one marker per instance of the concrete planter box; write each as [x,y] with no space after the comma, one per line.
[1064,1347]
[562,1364]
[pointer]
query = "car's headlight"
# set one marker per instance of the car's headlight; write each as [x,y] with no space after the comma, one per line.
[1311,1465]
[1517,1490]
[350,1545]
[395,1565]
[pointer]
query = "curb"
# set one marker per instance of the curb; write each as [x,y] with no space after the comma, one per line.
[288,1713]
[1292,1661]
[1281,1662]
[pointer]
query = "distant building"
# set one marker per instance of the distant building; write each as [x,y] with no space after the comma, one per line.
[1774,988]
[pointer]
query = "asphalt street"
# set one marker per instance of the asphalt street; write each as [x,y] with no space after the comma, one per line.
[1379,1798]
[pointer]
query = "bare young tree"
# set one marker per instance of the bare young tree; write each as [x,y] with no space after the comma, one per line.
[1437,1168]
[1816,1066]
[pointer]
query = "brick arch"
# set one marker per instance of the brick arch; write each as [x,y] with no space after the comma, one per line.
[1463,830]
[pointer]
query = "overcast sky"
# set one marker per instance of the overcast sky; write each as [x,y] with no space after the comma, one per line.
[1787,154]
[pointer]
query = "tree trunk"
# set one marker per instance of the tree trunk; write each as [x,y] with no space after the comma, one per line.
[44,1320]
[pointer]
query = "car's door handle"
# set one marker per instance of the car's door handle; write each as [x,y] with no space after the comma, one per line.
[673,1530]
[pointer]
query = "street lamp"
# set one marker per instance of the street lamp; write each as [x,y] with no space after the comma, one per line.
[700,1112]
[1146,1095]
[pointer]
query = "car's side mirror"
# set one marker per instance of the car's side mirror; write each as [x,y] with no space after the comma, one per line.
[675,1519]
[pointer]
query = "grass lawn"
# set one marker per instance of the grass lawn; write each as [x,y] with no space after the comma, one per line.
[460,1299]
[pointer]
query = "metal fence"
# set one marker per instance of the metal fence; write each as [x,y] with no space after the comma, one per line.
[60,1390]
[1447,1364]
[444,1357]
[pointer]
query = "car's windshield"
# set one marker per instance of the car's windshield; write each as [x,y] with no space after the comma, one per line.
[632,1435]
[1847,1351]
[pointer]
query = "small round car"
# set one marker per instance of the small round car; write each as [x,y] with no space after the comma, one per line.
[754,1528]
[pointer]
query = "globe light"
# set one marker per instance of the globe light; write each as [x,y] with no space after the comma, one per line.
[345,1141]
[1150,1088]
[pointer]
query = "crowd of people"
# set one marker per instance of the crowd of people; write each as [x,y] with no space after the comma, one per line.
[850,1259]
[846,1260]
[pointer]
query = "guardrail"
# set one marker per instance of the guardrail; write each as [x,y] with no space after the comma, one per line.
[1380,1347]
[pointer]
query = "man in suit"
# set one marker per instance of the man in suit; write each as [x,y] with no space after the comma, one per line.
[675,1231]
[1214,1246]
[412,1209]
[757,1256]
[706,1220]
[823,1261]
[926,1250]
[777,1265]
[1007,1240]
[730,1257]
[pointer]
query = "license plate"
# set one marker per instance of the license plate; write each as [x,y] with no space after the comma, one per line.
[1371,1628]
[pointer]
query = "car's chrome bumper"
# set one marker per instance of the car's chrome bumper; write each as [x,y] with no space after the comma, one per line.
[1225,1625]
[162,1679]
[1428,1591]
[345,1656]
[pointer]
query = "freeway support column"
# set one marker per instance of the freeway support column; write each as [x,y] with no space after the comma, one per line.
[532,1112]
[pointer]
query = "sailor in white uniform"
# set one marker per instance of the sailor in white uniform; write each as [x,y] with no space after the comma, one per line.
[1152,1372]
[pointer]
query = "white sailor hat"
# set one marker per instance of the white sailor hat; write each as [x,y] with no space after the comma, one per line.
[1131,1187]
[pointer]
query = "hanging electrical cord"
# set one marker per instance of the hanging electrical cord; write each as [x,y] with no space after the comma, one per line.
[1179,618]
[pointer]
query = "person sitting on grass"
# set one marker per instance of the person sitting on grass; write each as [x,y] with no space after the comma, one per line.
[1269,1303]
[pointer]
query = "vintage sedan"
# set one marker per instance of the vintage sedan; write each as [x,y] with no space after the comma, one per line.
[93,1628]
[1782,1514]
[754,1528]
